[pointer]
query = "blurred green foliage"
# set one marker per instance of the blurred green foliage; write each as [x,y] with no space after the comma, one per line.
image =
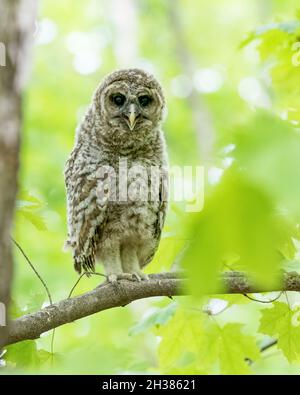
[246,71]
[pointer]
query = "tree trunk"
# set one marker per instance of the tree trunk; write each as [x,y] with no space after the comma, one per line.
[16,33]
[201,116]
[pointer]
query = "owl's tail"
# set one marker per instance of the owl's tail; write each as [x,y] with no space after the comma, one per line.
[87,263]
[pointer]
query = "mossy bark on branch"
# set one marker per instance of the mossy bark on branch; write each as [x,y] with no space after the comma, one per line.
[109,295]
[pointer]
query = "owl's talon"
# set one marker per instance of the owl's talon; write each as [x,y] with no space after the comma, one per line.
[145,277]
[126,276]
[140,276]
[136,277]
[112,278]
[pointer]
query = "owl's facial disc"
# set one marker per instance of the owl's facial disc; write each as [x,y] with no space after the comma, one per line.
[136,108]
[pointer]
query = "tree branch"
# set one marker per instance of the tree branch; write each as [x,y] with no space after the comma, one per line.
[103,297]
[107,296]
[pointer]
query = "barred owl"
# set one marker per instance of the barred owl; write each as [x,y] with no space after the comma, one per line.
[116,177]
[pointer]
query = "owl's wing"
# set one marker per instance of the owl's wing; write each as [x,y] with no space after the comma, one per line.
[87,211]
[163,203]
[161,213]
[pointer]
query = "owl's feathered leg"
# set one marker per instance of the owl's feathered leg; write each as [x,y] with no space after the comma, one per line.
[130,262]
[112,262]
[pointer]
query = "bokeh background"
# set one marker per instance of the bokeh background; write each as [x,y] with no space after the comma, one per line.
[231,77]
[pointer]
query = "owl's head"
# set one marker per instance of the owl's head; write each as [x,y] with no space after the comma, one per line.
[130,102]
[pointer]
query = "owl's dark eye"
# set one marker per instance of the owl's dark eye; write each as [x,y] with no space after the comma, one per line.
[145,100]
[118,99]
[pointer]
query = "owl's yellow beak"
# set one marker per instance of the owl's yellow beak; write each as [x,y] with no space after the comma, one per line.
[131,116]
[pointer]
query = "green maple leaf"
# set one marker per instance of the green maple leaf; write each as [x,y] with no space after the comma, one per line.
[280,321]
[183,333]
[234,348]
[196,339]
